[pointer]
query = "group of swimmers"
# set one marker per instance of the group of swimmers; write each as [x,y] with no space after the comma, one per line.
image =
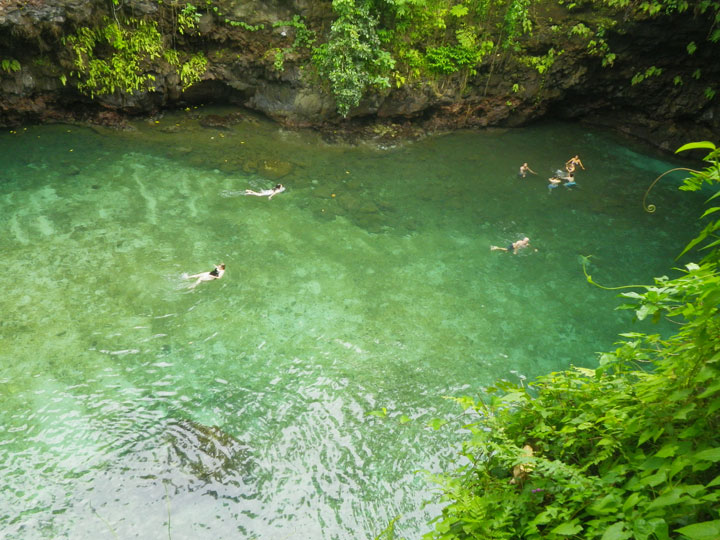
[514,247]
[554,181]
[219,270]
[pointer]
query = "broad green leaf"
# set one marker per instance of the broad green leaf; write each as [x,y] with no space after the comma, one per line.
[645,435]
[616,531]
[631,501]
[715,482]
[568,528]
[710,211]
[607,505]
[707,530]
[660,528]
[710,390]
[682,413]
[464,401]
[691,146]
[655,479]
[382,413]
[673,497]
[667,451]
[711,454]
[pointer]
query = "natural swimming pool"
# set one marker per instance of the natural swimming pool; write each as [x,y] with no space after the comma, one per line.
[135,407]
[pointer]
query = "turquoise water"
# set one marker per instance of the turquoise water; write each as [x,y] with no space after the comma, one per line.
[135,407]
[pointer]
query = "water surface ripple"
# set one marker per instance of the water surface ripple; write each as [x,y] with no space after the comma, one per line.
[133,406]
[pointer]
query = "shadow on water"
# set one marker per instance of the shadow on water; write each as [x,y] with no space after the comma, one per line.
[241,406]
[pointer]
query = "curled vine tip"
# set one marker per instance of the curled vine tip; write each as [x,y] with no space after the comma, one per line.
[650,208]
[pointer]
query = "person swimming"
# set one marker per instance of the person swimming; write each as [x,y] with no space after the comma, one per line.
[524,169]
[572,163]
[553,182]
[215,273]
[269,193]
[514,247]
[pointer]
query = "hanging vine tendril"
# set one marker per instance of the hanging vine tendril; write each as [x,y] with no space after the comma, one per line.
[650,208]
[585,260]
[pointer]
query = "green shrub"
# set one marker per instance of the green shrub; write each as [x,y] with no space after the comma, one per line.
[119,57]
[10,65]
[352,60]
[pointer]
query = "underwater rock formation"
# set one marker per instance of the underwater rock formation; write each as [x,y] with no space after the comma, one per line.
[206,452]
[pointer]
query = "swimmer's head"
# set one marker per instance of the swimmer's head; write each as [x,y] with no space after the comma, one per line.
[221,266]
[278,186]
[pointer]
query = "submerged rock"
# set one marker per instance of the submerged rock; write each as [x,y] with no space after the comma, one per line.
[206,451]
[275,168]
[216,121]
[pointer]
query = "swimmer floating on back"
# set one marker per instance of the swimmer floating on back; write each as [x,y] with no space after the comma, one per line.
[217,273]
[279,188]
[514,247]
[524,169]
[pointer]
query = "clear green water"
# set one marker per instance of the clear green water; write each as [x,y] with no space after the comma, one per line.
[239,409]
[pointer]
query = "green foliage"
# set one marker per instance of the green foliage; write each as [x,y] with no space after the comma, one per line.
[119,57]
[245,26]
[188,18]
[304,37]
[542,63]
[424,39]
[192,70]
[448,60]
[580,30]
[710,176]
[121,70]
[444,37]
[389,532]
[10,65]
[628,450]
[639,77]
[517,21]
[352,60]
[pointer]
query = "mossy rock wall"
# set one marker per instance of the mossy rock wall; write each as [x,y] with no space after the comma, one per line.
[240,41]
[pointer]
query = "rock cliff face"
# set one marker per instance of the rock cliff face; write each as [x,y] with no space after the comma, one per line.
[38,83]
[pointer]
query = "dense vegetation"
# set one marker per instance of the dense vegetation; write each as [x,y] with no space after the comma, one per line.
[628,450]
[119,54]
[435,39]
[373,45]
